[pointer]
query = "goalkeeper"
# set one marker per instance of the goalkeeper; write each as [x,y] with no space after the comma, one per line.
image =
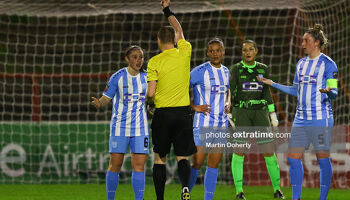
[252,103]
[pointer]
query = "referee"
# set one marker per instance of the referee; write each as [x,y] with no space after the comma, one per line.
[168,76]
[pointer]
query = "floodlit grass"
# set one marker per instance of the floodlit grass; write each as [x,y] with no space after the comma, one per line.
[125,192]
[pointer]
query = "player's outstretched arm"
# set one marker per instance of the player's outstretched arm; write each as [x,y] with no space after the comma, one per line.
[291,90]
[172,20]
[98,103]
[265,80]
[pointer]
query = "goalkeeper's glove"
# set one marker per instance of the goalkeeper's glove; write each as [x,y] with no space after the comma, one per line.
[273,118]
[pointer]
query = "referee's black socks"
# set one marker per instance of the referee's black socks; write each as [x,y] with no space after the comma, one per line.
[184,170]
[159,178]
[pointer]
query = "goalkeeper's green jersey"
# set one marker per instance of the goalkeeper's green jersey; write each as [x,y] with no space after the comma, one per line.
[247,91]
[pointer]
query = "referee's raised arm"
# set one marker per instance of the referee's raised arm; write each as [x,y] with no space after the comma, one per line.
[168,76]
[172,20]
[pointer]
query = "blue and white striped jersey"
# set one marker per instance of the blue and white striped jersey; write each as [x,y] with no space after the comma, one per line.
[210,86]
[128,93]
[310,76]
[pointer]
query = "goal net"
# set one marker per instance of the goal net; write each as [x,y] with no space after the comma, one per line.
[55,56]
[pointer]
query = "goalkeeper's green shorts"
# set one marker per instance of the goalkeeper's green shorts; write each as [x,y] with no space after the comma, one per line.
[249,118]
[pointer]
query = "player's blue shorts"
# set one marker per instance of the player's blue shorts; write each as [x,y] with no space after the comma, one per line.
[204,137]
[120,144]
[316,132]
[196,136]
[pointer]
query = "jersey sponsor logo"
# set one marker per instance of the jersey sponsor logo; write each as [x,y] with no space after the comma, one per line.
[308,79]
[218,89]
[134,97]
[252,86]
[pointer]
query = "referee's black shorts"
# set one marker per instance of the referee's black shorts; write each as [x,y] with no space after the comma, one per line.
[173,125]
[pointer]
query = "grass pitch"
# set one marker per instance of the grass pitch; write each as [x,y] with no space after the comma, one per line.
[125,192]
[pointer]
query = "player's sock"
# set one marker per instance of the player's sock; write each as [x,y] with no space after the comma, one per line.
[194,174]
[184,170]
[112,180]
[325,177]
[210,178]
[138,184]
[274,171]
[159,178]
[296,174]
[237,172]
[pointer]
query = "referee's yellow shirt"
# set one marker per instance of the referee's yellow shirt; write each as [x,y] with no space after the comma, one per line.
[171,70]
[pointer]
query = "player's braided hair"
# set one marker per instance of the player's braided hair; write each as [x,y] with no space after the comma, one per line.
[318,34]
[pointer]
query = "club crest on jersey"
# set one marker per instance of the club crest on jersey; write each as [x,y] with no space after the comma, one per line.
[335,74]
[308,79]
[114,144]
[252,86]
[218,89]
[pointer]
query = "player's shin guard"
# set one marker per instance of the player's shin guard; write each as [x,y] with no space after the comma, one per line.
[296,174]
[237,172]
[274,171]
[325,177]
[159,178]
[210,179]
[193,178]
[184,170]
[138,184]
[112,180]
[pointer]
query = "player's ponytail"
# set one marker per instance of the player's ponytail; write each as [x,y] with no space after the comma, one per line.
[318,34]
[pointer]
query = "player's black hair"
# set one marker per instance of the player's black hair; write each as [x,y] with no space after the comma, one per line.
[251,42]
[166,34]
[318,34]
